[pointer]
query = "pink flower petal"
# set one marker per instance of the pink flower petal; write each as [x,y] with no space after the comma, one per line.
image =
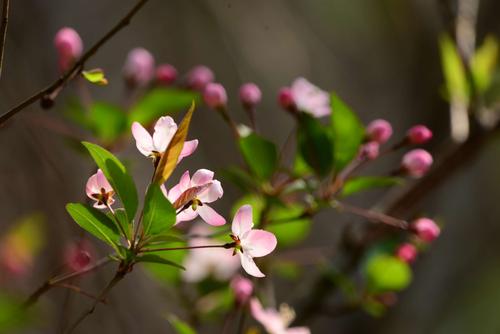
[249,265]
[143,139]
[242,221]
[258,243]
[212,193]
[185,181]
[298,330]
[102,182]
[186,215]
[165,129]
[188,149]
[201,177]
[210,216]
[91,186]
[178,189]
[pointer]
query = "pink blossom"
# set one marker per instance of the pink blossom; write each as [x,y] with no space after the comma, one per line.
[426,229]
[166,74]
[69,46]
[250,243]
[310,99]
[285,98]
[250,94]
[164,131]
[276,322]
[197,191]
[199,76]
[370,150]
[99,189]
[202,263]
[417,162]
[78,256]
[407,252]
[215,95]
[139,67]
[419,134]
[379,130]
[242,288]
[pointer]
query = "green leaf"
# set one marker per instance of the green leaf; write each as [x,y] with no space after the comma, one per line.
[159,214]
[107,121]
[256,202]
[260,154]
[12,315]
[95,76]
[164,273]
[387,273]
[180,326]
[289,227]
[121,216]
[159,102]
[483,63]
[164,239]
[453,70]
[152,258]
[238,177]
[347,132]
[95,222]
[117,175]
[362,183]
[315,145]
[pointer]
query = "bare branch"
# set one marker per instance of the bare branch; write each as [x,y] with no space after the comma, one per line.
[3,30]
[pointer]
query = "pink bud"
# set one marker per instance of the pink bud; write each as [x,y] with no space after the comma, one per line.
[69,46]
[426,229]
[369,150]
[78,256]
[419,134]
[379,130]
[215,95]
[199,76]
[407,252]
[139,67]
[166,74]
[242,288]
[417,162]
[285,98]
[250,94]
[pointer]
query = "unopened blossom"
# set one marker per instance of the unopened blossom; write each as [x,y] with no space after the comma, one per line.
[310,99]
[199,76]
[164,131]
[285,98]
[166,74]
[276,322]
[191,197]
[99,189]
[369,150]
[379,130]
[139,67]
[203,263]
[419,134]
[77,256]
[417,162]
[250,94]
[69,47]
[426,229]
[215,95]
[250,243]
[407,252]
[242,288]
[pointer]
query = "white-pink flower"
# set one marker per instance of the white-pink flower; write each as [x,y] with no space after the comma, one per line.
[250,243]
[276,322]
[310,99]
[164,131]
[192,195]
[99,189]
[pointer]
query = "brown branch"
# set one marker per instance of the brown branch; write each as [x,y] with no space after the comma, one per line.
[79,290]
[49,93]
[3,30]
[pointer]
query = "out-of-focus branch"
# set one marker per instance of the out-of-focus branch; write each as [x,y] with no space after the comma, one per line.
[51,91]
[3,30]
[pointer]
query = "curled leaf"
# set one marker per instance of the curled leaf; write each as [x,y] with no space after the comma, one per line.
[95,76]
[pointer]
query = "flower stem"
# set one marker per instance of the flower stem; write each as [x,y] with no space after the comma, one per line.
[226,246]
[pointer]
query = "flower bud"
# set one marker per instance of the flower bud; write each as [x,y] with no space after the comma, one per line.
[417,162]
[166,74]
[285,98]
[379,130]
[407,252]
[139,67]
[369,150]
[426,229]
[419,134]
[250,94]
[69,46]
[77,256]
[242,289]
[199,76]
[215,95]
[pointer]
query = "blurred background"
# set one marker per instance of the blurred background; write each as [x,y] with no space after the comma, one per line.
[381,57]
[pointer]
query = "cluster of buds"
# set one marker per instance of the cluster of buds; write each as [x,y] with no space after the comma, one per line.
[426,231]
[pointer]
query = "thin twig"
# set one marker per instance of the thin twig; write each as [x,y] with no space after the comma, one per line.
[53,89]
[371,215]
[148,250]
[3,30]
[79,290]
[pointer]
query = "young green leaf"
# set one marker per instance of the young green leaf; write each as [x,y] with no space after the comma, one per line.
[180,326]
[453,70]
[152,258]
[95,76]
[483,63]
[239,177]
[159,214]
[260,154]
[387,273]
[121,216]
[169,158]
[107,121]
[362,183]
[95,222]
[347,132]
[117,175]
